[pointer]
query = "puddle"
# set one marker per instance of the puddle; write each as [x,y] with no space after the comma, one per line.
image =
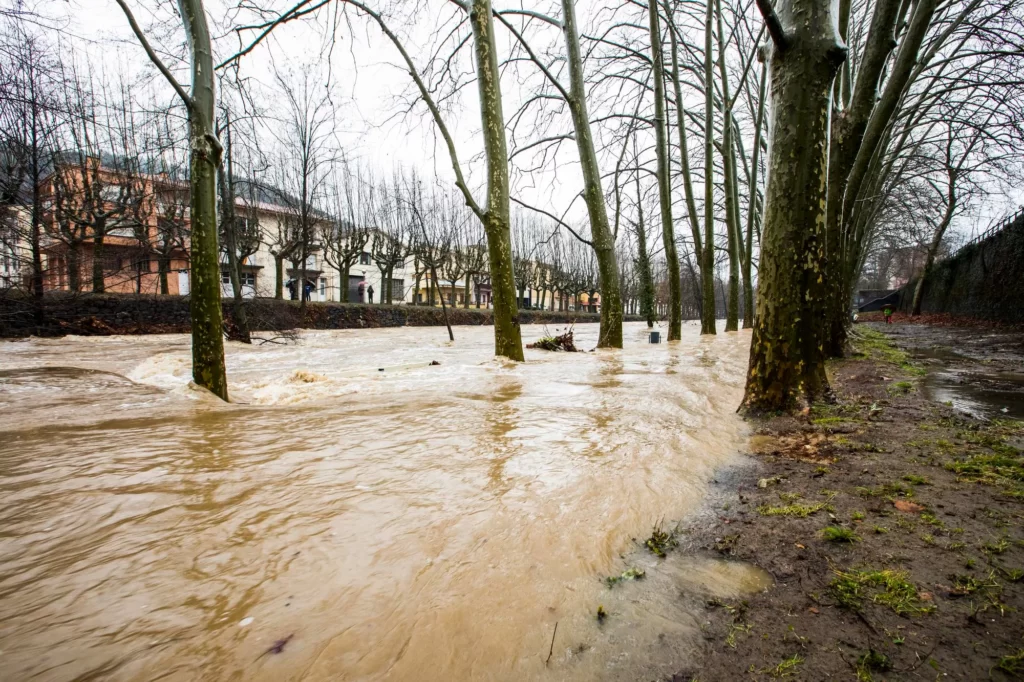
[986,395]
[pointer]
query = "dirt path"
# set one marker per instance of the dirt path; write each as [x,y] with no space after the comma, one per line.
[890,521]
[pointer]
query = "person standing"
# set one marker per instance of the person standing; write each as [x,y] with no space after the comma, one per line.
[887,313]
[369,292]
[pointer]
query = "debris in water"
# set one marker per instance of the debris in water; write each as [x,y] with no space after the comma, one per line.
[380,369]
[245,621]
[555,343]
[278,646]
[304,377]
[629,574]
[434,362]
[659,542]
[601,614]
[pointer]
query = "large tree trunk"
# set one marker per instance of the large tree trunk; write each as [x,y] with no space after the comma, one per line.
[786,355]
[610,334]
[207,325]
[279,277]
[707,257]
[668,237]
[497,220]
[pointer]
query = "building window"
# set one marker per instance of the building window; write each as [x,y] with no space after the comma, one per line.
[323,287]
[225,277]
[364,258]
[397,289]
[249,279]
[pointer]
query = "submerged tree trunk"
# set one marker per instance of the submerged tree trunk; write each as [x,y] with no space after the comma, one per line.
[707,258]
[496,216]
[207,324]
[786,355]
[668,237]
[610,335]
[732,301]
[227,188]
[643,264]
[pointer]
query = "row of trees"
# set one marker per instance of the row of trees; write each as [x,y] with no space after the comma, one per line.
[885,120]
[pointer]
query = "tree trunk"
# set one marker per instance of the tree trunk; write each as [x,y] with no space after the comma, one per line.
[933,248]
[643,265]
[856,134]
[786,355]
[748,285]
[163,266]
[668,237]
[496,219]
[610,334]
[279,276]
[707,258]
[732,301]
[74,268]
[207,325]
[98,282]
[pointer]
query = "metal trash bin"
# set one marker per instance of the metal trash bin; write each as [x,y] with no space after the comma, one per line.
[655,337]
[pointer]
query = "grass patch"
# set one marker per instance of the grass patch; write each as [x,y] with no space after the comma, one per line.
[796,510]
[914,479]
[785,669]
[900,388]
[659,542]
[888,588]
[1012,664]
[872,661]
[878,346]
[837,534]
[827,421]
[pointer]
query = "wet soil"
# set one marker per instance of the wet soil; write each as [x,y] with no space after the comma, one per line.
[891,521]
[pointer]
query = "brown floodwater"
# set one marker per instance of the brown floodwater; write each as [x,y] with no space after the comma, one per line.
[396,520]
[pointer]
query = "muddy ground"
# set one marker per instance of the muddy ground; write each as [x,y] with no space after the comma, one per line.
[891,521]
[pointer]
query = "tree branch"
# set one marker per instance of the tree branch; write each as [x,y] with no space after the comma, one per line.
[558,220]
[185,98]
[773,24]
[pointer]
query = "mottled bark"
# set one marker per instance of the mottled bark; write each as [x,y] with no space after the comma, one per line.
[786,355]
[208,368]
[496,216]
[163,267]
[610,334]
[668,236]
[74,264]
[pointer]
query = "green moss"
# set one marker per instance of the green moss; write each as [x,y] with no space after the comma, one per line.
[916,480]
[837,534]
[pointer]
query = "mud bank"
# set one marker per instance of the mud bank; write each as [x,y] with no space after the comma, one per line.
[890,521]
[111,314]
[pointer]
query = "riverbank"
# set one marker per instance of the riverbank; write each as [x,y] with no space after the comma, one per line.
[891,522]
[110,314]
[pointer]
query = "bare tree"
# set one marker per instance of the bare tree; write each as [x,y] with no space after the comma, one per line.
[208,368]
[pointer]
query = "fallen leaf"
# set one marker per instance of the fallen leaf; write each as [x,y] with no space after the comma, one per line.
[924,596]
[813,610]
[905,506]
[800,546]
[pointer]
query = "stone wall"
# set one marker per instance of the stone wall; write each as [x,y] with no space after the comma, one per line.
[104,314]
[983,280]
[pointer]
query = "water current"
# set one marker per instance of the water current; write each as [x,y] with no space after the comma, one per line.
[389,518]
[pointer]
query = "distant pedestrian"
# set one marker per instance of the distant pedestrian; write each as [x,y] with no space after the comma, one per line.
[292,295]
[369,292]
[362,291]
[887,313]
[307,289]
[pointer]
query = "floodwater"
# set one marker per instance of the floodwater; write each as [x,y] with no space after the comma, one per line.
[389,518]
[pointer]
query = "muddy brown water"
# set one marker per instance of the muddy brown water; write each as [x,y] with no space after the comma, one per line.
[416,523]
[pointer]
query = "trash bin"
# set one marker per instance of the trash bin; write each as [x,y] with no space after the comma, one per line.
[655,337]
